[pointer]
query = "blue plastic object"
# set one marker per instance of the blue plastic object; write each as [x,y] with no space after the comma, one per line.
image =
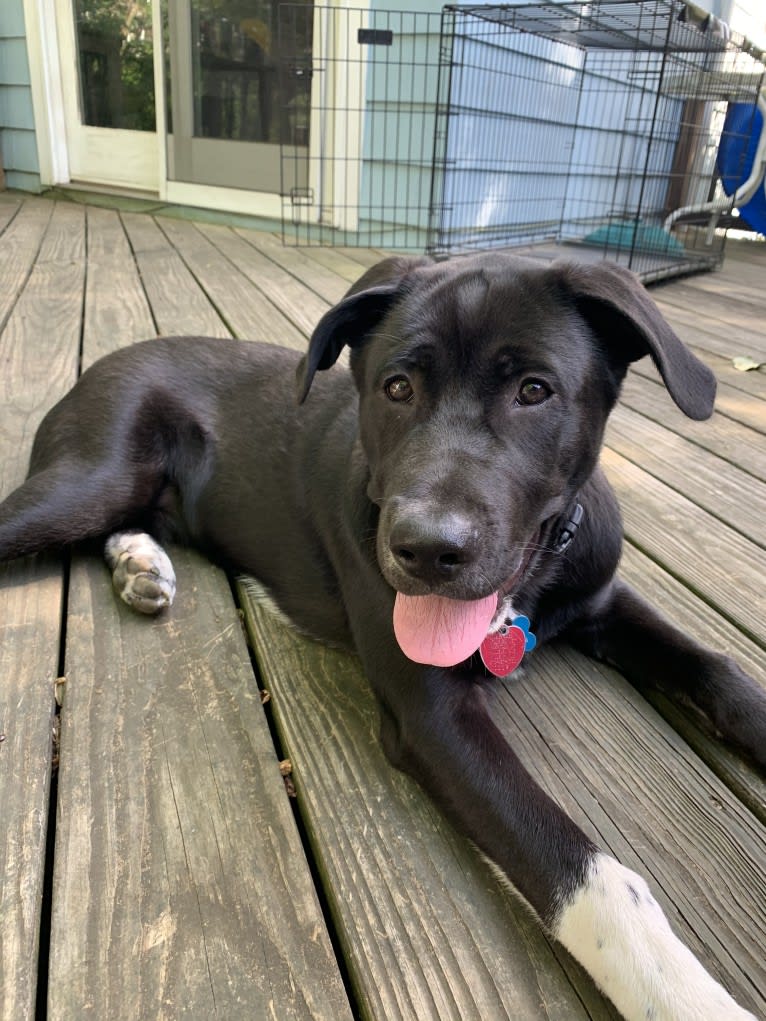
[626,234]
[736,152]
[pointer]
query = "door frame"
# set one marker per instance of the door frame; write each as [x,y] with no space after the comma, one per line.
[136,165]
[47,48]
[46,89]
[48,101]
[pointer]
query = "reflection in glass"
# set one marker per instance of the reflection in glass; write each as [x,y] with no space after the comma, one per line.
[239,92]
[114,44]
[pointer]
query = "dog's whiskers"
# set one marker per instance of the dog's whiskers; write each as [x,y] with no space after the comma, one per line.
[385,336]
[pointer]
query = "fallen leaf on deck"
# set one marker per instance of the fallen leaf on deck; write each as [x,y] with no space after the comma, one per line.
[745,363]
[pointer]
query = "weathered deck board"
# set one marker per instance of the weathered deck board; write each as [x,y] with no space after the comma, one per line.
[738,311]
[246,311]
[117,311]
[366,257]
[180,880]
[683,608]
[427,933]
[693,545]
[180,885]
[30,609]
[751,382]
[727,297]
[741,407]
[9,206]
[20,243]
[38,351]
[730,440]
[704,478]
[192,890]
[325,282]
[302,306]
[178,304]
[341,263]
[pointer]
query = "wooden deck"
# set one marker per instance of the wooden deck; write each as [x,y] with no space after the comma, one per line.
[180,879]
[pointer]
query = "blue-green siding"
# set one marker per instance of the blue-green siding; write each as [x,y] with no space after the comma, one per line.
[11,19]
[18,143]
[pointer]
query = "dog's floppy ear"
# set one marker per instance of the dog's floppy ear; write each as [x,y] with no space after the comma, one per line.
[351,319]
[620,310]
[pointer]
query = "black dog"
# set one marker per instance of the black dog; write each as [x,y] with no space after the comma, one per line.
[465,440]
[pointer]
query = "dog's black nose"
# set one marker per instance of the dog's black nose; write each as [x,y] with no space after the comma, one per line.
[433,547]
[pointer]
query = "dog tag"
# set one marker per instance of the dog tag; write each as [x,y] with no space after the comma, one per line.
[503,650]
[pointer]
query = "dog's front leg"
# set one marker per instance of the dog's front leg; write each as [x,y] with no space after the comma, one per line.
[437,727]
[627,632]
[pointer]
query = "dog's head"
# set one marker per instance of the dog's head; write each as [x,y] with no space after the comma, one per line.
[485,384]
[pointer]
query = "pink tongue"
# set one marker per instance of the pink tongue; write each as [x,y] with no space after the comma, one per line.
[439,631]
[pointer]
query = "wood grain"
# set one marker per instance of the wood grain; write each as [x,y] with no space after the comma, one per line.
[38,351]
[30,611]
[340,263]
[117,311]
[701,322]
[180,885]
[323,281]
[688,612]
[426,931]
[741,407]
[178,303]
[247,311]
[179,872]
[706,554]
[707,480]
[631,782]
[301,305]
[734,311]
[366,257]
[734,442]
[20,244]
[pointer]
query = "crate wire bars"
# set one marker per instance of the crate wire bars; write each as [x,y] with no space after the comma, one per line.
[586,129]
[366,176]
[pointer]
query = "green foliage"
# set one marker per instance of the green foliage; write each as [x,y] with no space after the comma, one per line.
[110,30]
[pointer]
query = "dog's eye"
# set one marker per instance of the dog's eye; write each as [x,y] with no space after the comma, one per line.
[533,391]
[399,389]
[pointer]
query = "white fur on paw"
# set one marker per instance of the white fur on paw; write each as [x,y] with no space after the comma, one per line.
[142,573]
[619,933]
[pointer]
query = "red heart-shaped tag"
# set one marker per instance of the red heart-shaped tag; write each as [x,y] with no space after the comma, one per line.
[502,651]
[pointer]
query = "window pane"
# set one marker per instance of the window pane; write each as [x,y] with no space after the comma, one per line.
[114,42]
[238,89]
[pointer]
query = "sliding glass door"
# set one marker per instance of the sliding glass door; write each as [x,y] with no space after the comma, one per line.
[238,79]
[107,75]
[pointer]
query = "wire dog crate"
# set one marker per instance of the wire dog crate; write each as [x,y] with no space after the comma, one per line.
[365,177]
[593,127]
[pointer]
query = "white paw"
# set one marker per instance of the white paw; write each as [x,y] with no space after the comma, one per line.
[142,573]
[619,933]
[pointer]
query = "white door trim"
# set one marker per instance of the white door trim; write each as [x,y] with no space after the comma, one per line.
[102,156]
[47,93]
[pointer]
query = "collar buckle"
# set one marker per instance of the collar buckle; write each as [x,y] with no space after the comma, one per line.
[569,529]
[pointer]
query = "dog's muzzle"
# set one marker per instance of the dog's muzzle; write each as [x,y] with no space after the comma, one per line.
[432,547]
